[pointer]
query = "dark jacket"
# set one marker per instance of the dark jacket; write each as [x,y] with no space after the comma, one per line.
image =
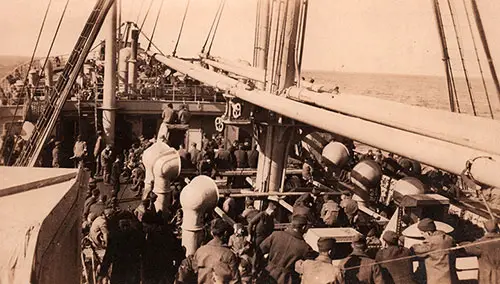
[400,271]
[241,158]
[124,253]
[488,255]
[253,158]
[359,268]
[260,227]
[439,267]
[284,249]
[211,255]
[223,159]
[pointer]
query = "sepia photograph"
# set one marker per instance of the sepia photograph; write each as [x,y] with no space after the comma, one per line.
[249,141]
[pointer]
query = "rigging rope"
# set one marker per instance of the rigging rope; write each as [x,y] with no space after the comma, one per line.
[148,39]
[180,30]
[478,60]
[26,79]
[482,35]
[52,43]
[146,16]
[221,4]
[469,87]
[140,10]
[299,49]
[452,92]
[216,27]
[154,27]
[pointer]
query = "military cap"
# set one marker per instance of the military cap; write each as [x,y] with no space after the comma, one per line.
[359,241]
[390,237]
[326,244]
[299,220]
[426,225]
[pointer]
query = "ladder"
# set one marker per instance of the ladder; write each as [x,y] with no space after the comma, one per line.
[48,118]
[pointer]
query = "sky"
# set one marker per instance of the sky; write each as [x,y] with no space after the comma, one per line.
[371,36]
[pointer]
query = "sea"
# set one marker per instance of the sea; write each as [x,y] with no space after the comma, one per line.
[419,90]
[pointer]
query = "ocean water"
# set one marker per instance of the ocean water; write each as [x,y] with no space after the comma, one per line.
[426,91]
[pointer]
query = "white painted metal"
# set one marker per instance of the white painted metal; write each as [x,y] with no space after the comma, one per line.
[475,132]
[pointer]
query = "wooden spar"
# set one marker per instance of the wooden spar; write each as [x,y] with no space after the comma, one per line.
[239,172]
[440,154]
[475,132]
[245,71]
[482,34]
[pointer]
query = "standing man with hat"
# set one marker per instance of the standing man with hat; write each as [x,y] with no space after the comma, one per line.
[358,267]
[56,155]
[439,261]
[216,253]
[487,250]
[284,249]
[320,270]
[398,271]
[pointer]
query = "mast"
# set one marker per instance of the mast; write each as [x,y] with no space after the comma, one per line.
[280,69]
[109,93]
[482,34]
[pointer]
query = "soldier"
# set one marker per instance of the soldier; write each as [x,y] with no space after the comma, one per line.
[249,211]
[440,265]
[99,232]
[79,151]
[56,155]
[169,115]
[488,254]
[330,213]
[320,270]
[98,147]
[307,171]
[223,159]
[116,172]
[185,157]
[359,267]
[216,253]
[184,114]
[91,200]
[106,164]
[262,225]
[284,249]
[397,271]
[241,157]
[124,254]
[253,157]
[195,153]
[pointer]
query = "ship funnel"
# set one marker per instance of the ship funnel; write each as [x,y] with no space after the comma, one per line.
[366,175]
[407,186]
[335,153]
[162,164]
[197,198]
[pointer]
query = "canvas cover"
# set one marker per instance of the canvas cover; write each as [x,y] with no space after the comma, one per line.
[40,225]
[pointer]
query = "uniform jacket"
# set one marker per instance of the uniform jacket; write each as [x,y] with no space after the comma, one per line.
[99,146]
[261,226]
[223,159]
[241,158]
[284,249]
[359,268]
[212,254]
[488,255]
[439,267]
[195,156]
[400,271]
[253,158]
[319,271]
[56,156]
